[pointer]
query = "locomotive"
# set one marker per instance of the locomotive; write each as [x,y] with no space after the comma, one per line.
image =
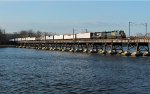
[109,34]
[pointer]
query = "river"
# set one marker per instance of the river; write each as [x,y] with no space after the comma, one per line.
[29,71]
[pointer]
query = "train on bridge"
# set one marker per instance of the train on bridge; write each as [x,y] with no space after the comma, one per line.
[108,42]
[116,34]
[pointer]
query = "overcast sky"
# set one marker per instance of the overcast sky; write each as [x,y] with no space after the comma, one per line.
[62,16]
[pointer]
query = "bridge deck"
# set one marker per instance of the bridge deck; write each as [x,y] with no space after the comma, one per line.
[91,41]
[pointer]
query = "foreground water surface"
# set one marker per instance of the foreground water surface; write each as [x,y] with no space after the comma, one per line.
[28,71]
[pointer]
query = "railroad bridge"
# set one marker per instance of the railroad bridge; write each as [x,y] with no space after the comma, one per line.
[127,46]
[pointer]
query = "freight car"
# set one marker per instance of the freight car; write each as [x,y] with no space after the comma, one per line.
[86,35]
[69,36]
[56,37]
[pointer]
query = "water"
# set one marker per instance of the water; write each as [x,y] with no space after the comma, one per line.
[27,71]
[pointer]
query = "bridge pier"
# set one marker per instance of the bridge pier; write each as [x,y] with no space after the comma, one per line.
[135,46]
[145,48]
[78,48]
[94,48]
[102,46]
[102,49]
[112,48]
[86,47]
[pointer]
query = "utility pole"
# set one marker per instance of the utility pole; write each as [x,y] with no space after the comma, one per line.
[129,28]
[45,36]
[145,24]
[73,33]
[146,29]
[86,30]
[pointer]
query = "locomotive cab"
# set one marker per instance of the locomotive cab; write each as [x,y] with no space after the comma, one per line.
[122,34]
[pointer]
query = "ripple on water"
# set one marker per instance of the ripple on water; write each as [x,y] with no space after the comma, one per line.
[30,71]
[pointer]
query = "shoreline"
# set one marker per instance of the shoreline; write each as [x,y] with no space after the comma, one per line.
[5,46]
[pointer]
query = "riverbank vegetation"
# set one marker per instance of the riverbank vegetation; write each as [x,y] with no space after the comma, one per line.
[5,37]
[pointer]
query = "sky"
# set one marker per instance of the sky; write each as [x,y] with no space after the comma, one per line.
[62,16]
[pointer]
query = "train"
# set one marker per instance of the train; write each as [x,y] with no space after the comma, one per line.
[116,34]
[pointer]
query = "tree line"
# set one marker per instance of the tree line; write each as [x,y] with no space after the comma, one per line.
[30,33]
[5,37]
